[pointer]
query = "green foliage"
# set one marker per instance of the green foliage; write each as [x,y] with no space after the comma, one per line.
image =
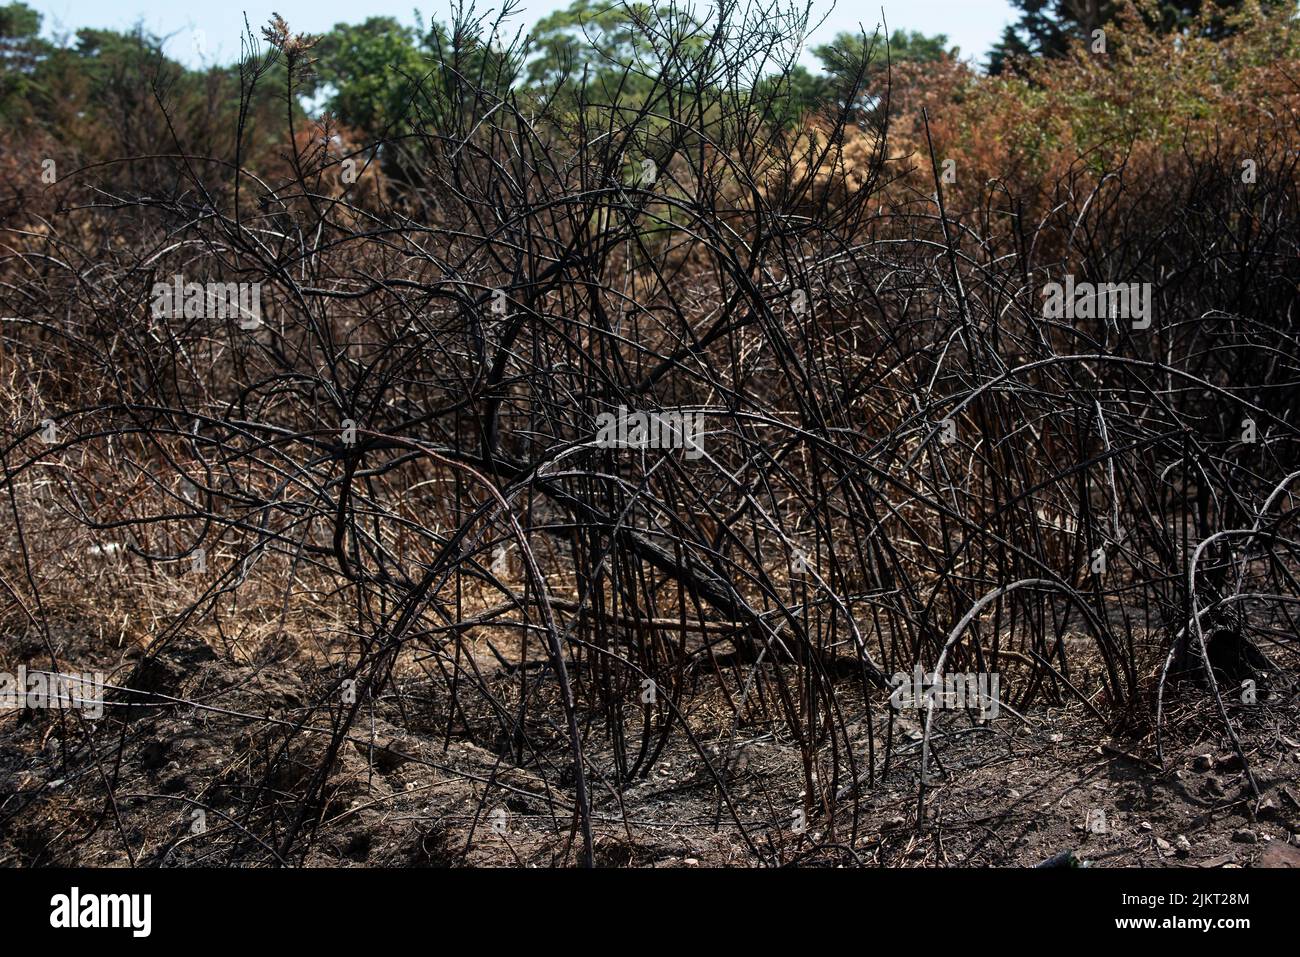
[603,60]
[1046,28]
[843,55]
[600,40]
[21,52]
[373,71]
[103,87]
[618,49]
[853,61]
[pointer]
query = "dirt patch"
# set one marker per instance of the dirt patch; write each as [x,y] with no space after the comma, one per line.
[213,762]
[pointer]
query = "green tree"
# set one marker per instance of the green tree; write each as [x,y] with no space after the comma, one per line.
[843,55]
[385,80]
[618,47]
[21,52]
[855,60]
[1046,28]
[372,73]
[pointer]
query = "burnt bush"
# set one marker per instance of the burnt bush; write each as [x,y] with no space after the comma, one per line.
[875,444]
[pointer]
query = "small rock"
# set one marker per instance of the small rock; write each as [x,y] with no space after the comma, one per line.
[1203,762]
[1278,854]
[1146,826]
[1183,845]
[1229,762]
[1164,847]
[1244,835]
[691,861]
[1267,809]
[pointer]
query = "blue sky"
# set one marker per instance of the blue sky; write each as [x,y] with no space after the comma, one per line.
[973,25]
